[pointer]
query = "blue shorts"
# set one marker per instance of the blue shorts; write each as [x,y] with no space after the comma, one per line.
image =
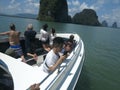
[17,49]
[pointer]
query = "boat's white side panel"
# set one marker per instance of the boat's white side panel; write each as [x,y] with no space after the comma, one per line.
[23,75]
[70,69]
[76,69]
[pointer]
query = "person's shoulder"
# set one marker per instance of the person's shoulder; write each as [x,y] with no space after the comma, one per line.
[8,32]
[26,31]
[41,30]
[34,31]
[50,52]
[18,32]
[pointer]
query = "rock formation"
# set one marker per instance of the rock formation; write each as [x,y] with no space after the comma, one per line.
[104,23]
[55,10]
[114,25]
[86,17]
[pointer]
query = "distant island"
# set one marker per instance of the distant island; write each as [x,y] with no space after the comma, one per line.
[22,15]
[57,11]
[86,17]
[105,24]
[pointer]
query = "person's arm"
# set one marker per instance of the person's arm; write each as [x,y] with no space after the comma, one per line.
[33,55]
[34,87]
[59,61]
[29,54]
[5,33]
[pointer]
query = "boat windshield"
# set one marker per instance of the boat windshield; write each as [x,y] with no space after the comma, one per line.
[6,81]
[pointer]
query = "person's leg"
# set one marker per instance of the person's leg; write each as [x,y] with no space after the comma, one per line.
[20,53]
[11,52]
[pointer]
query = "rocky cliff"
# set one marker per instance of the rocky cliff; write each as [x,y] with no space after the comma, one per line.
[53,10]
[86,17]
[104,23]
[114,25]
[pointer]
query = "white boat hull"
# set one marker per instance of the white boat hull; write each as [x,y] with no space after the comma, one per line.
[63,78]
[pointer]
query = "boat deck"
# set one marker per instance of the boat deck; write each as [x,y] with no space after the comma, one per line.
[63,78]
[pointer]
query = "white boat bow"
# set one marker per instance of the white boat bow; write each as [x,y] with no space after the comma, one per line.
[63,78]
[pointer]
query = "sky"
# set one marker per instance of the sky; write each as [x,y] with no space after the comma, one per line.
[108,10]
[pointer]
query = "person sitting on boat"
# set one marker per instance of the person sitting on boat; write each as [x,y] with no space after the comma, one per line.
[67,47]
[30,41]
[53,60]
[44,36]
[52,36]
[71,39]
[14,43]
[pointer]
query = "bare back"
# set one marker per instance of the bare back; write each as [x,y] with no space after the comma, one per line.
[14,37]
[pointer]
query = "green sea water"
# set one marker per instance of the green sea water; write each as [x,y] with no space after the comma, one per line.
[101,70]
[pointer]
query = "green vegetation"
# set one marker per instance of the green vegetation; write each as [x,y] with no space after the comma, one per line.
[55,10]
[86,17]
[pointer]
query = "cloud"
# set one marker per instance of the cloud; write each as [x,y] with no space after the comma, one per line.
[100,2]
[12,1]
[103,8]
[112,17]
[116,15]
[85,6]
[31,6]
[76,7]
[75,3]
[116,1]
[32,3]
[15,6]
[36,5]
[116,12]
[25,6]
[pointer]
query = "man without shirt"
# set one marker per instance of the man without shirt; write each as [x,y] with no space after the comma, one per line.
[15,49]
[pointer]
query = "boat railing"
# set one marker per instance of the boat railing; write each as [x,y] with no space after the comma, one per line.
[66,66]
[63,67]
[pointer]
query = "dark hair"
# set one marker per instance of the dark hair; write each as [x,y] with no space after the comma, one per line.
[12,26]
[45,26]
[69,43]
[58,41]
[53,31]
[71,37]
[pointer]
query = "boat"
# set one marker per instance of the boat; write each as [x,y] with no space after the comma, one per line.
[17,75]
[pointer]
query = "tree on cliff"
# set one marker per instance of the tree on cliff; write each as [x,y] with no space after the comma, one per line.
[86,17]
[55,10]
